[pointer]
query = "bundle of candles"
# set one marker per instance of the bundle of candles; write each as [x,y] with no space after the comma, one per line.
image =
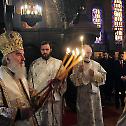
[70,59]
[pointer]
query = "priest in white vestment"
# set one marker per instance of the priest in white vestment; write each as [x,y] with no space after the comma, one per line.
[88,75]
[41,72]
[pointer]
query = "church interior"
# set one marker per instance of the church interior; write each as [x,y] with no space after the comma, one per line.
[69,23]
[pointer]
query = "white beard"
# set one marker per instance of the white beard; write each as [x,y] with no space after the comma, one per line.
[19,70]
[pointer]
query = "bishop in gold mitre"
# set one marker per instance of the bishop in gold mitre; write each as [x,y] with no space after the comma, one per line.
[15,106]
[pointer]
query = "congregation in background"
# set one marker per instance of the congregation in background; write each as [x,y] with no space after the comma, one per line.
[115,86]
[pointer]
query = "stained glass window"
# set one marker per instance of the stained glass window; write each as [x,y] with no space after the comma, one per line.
[118,19]
[97,17]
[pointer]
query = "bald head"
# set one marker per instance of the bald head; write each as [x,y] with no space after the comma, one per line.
[88,52]
[87,47]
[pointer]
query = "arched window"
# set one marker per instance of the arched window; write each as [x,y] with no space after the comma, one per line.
[97,17]
[118,19]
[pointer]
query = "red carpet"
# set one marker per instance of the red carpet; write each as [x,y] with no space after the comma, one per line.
[69,118]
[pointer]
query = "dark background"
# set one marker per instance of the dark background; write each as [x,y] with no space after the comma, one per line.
[1,16]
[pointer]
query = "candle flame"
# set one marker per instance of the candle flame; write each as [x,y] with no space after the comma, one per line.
[81,38]
[77,52]
[75,57]
[68,50]
[73,52]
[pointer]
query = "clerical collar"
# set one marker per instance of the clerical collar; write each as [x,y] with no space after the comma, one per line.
[87,61]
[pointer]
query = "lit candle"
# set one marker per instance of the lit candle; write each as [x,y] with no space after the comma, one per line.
[70,59]
[64,60]
[74,63]
[66,55]
[62,71]
[77,52]
[82,41]
[81,38]
[82,44]
[65,72]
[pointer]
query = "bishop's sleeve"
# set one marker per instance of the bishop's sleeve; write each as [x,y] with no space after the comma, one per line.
[7,114]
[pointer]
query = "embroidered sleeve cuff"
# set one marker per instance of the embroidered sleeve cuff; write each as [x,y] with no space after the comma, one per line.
[8,112]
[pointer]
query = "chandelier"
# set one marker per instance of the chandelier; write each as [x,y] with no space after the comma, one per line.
[31,13]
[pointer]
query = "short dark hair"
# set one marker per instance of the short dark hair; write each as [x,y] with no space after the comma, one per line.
[121,52]
[47,42]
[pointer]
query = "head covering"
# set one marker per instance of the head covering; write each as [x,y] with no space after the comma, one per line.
[10,42]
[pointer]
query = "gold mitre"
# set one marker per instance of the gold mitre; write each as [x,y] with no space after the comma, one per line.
[10,42]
